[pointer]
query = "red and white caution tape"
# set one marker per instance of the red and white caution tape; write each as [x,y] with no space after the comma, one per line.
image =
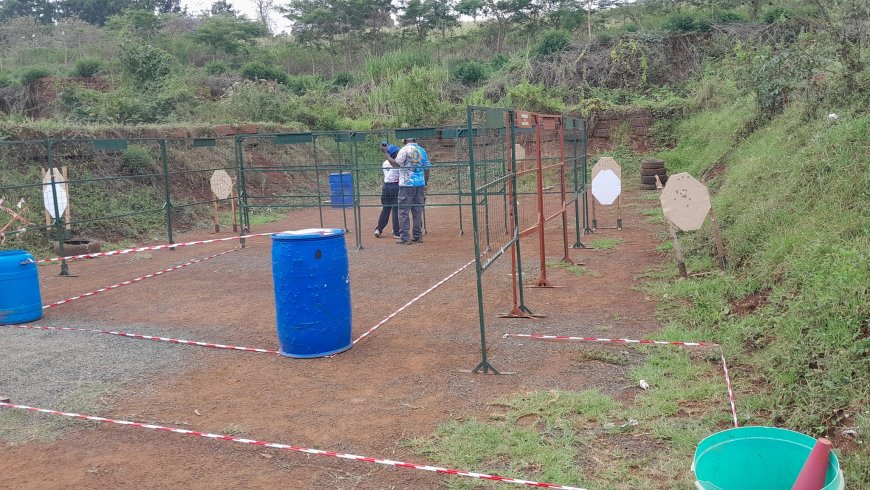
[409,303]
[155,247]
[288,447]
[537,336]
[138,279]
[730,391]
[147,337]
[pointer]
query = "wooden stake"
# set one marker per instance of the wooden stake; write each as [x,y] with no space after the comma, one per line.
[47,216]
[594,221]
[672,230]
[619,211]
[717,238]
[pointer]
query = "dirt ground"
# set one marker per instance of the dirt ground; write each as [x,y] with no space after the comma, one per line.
[396,385]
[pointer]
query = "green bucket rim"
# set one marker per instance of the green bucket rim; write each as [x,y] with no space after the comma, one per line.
[762,432]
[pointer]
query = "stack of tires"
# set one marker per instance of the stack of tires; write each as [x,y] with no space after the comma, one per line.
[649,168]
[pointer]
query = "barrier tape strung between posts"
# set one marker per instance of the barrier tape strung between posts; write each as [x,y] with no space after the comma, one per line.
[300,449]
[138,279]
[728,385]
[155,247]
[409,303]
[147,337]
[617,341]
[646,342]
[213,345]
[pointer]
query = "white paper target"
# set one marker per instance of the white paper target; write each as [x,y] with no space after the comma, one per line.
[221,184]
[519,151]
[685,201]
[48,193]
[606,187]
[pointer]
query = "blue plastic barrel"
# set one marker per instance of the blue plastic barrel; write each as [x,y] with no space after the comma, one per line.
[341,190]
[20,300]
[312,292]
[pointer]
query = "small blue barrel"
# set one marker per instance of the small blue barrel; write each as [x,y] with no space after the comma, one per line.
[20,300]
[312,292]
[341,190]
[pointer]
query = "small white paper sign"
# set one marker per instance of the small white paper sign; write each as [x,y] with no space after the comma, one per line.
[48,193]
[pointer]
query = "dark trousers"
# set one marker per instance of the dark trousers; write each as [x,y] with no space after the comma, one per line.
[390,200]
[411,199]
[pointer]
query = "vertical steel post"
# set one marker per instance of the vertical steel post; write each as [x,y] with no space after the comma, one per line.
[167,200]
[484,364]
[575,160]
[583,150]
[241,184]
[317,178]
[456,153]
[357,210]
[58,218]
[542,278]
[567,257]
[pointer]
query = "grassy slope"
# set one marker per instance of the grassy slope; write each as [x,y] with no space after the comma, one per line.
[794,203]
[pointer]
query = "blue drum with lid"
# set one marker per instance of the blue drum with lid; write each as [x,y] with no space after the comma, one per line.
[20,300]
[312,292]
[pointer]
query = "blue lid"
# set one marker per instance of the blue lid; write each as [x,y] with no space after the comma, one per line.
[308,234]
[14,252]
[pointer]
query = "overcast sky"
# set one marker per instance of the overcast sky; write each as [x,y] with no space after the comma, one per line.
[245,7]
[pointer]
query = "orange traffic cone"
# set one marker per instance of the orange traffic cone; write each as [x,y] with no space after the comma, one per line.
[812,476]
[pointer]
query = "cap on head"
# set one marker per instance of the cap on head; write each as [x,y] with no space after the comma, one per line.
[409,140]
[393,150]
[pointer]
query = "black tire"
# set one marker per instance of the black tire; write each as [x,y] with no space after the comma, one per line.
[78,246]
[653,171]
[652,162]
[652,165]
[651,179]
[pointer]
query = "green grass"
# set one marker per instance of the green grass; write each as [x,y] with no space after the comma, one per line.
[605,243]
[577,270]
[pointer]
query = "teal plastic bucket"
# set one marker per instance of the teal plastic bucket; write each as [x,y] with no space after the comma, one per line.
[756,458]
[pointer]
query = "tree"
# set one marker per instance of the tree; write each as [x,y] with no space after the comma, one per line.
[332,22]
[470,8]
[229,34]
[98,11]
[264,12]
[43,11]
[222,7]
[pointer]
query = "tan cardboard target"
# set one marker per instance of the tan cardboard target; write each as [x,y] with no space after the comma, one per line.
[607,163]
[221,184]
[50,192]
[685,202]
[519,152]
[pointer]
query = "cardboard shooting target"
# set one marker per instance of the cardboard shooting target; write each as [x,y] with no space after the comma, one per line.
[606,186]
[221,184]
[607,163]
[58,190]
[519,152]
[685,202]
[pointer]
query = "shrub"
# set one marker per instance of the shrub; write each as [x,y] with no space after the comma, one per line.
[468,72]
[302,84]
[535,98]
[31,74]
[137,160]
[342,79]
[498,62]
[727,17]
[216,68]
[145,64]
[776,14]
[686,22]
[5,80]
[258,71]
[552,42]
[87,67]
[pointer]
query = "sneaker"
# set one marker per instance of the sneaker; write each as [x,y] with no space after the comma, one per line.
[377,233]
[418,240]
[404,242]
[396,237]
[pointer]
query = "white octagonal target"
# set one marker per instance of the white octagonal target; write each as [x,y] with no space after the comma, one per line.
[57,192]
[685,201]
[221,184]
[606,186]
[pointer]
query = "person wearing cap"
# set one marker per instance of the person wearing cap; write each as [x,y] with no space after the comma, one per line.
[389,195]
[413,165]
